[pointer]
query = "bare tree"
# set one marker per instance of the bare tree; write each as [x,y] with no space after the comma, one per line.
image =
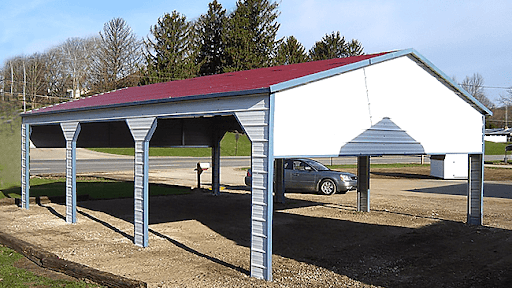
[506,101]
[474,85]
[117,56]
[56,76]
[77,54]
[35,75]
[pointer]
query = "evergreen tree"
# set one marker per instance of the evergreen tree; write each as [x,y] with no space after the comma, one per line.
[251,35]
[211,42]
[170,55]
[334,46]
[290,51]
[116,57]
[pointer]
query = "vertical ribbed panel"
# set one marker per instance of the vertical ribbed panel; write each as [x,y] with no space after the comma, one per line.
[279,181]
[140,197]
[142,130]
[383,138]
[216,166]
[363,183]
[256,124]
[475,189]
[71,130]
[25,165]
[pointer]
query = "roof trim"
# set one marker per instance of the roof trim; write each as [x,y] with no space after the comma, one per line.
[318,76]
[153,101]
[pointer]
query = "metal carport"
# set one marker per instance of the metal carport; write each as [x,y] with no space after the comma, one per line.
[367,106]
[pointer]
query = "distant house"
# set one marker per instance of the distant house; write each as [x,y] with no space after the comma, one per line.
[498,135]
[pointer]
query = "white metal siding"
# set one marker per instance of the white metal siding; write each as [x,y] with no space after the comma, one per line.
[424,107]
[319,118]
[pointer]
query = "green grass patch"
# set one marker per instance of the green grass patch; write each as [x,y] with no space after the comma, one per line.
[11,276]
[158,151]
[96,188]
[492,148]
[229,146]
[10,144]
[498,162]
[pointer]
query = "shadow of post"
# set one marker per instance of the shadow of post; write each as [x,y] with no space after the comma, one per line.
[195,252]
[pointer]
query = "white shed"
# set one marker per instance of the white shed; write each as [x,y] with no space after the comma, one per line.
[392,103]
[449,166]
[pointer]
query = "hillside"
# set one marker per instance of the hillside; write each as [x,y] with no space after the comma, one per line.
[10,139]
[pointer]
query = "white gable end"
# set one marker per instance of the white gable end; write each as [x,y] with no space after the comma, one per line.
[424,107]
[322,117]
[317,118]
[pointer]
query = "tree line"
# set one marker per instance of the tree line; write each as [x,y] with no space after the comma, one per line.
[176,48]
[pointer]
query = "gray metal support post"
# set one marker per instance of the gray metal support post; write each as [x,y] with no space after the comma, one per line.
[279,182]
[25,165]
[363,183]
[257,123]
[142,130]
[216,166]
[475,189]
[71,130]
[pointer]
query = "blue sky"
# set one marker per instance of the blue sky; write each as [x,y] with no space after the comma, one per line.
[459,37]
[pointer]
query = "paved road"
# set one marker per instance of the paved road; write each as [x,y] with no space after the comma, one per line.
[126,164]
[111,163]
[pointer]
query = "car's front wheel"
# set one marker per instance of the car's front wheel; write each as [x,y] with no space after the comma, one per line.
[327,187]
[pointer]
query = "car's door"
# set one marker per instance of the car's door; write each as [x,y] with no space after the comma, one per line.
[302,176]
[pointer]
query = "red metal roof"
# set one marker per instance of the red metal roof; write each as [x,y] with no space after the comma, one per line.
[213,84]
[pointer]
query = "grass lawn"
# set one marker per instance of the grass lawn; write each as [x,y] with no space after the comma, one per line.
[229,146]
[96,188]
[492,148]
[11,276]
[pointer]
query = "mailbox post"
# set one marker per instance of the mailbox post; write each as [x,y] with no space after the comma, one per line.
[200,167]
[507,148]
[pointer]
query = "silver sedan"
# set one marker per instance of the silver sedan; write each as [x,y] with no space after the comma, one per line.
[304,174]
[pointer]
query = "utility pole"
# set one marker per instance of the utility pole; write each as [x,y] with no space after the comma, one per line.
[12,77]
[506,116]
[24,87]
[3,86]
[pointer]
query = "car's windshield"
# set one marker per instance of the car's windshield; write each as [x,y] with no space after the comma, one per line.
[316,165]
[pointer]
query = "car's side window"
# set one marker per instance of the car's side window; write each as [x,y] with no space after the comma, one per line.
[298,165]
[288,164]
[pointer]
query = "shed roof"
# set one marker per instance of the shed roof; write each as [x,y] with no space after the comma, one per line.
[255,80]
[262,80]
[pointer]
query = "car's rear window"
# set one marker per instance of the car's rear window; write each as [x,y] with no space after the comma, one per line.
[317,166]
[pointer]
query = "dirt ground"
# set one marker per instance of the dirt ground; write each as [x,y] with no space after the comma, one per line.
[415,236]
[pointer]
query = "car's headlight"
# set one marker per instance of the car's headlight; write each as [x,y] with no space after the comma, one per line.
[344,177]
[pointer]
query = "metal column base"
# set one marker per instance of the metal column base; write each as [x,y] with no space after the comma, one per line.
[363,184]
[475,189]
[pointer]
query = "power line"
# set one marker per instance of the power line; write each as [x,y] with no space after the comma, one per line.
[490,87]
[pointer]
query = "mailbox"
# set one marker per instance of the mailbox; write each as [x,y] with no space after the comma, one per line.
[200,167]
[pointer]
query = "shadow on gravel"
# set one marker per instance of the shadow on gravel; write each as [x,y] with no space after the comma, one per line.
[449,254]
[494,190]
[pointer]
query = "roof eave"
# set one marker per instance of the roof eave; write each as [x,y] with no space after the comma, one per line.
[264,90]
